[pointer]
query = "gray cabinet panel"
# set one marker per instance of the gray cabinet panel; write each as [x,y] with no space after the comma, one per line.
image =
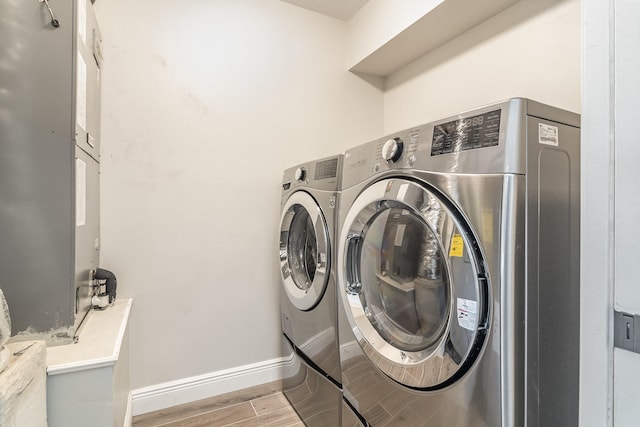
[41,255]
[87,78]
[87,236]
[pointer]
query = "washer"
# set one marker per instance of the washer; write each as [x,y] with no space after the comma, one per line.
[312,382]
[458,256]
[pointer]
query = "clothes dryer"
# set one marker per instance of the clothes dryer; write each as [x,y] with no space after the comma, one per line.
[458,271]
[312,382]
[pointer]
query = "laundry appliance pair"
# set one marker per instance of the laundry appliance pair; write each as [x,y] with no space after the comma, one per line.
[456,265]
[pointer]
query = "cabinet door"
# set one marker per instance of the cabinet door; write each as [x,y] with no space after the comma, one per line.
[87,243]
[88,56]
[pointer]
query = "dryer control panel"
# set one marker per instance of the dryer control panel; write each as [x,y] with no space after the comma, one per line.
[467,133]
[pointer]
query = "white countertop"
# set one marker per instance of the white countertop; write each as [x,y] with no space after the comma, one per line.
[99,342]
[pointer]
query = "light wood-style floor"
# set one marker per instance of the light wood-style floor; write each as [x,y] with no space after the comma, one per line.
[263,405]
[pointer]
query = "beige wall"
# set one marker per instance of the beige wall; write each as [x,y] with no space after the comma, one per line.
[204,104]
[531,49]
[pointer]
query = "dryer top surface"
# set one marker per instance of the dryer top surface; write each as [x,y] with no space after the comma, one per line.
[488,140]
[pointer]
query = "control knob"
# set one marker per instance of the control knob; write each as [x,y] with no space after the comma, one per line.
[300,175]
[392,149]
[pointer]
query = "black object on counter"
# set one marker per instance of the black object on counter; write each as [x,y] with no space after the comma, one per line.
[111,282]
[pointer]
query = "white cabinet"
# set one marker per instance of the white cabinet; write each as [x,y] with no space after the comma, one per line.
[88,382]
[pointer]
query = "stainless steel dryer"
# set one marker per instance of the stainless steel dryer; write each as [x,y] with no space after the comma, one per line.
[308,293]
[458,271]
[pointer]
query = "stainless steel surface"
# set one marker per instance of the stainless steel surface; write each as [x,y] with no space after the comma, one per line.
[514,202]
[307,233]
[512,300]
[37,167]
[312,395]
[553,275]
[349,417]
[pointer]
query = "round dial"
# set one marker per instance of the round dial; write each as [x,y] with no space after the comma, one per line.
[300,175]
[392,149]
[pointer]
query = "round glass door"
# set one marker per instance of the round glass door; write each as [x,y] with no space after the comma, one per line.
[414,291]
[408,300]
[304,250]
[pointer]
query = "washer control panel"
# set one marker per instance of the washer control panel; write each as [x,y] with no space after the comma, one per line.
[320,174]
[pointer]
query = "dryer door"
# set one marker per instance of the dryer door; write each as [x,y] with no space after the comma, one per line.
[413,283]
[304,250]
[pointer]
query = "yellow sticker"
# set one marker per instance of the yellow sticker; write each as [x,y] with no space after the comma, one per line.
[457,245]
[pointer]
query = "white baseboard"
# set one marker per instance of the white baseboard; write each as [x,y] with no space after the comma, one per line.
[128,415]
[165,395]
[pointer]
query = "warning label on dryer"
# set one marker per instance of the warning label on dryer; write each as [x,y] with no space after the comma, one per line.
[457,246]
[547,134]
[467,314]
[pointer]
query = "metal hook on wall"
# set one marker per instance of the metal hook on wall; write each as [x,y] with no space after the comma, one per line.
[54,21]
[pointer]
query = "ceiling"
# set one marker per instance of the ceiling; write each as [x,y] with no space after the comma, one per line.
[339,9]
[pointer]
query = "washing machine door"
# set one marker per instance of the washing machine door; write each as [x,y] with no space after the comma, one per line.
[304,250]
[413,283]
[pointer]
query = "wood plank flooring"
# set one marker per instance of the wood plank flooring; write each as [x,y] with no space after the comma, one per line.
[263,405]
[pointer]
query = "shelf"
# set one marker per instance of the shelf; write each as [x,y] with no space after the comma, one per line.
[441,24]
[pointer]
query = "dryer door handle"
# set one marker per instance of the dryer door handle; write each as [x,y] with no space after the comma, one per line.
[354,247]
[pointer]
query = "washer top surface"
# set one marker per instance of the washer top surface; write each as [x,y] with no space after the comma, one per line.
[323,174]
